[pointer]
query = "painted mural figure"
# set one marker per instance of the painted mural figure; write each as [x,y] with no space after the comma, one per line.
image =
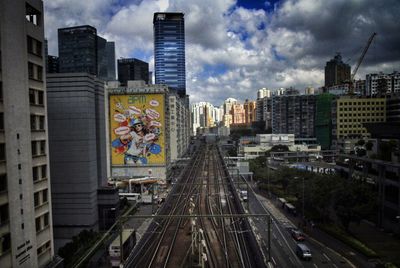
[138,132]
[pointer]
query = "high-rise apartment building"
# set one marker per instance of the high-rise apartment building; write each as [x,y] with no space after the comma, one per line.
[238,114]
[382,84]
[393,108]
[179,115]
[336,71]
[205,115]
[80,49]
[26,233]
[294,114]
[263,92]
[249,111]
[169,50]
[132,69]
[263,111]
[77,145]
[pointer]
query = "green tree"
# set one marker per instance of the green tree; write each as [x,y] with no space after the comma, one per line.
[354,201]
[369,145]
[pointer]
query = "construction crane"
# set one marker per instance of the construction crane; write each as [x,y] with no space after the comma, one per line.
[361,58]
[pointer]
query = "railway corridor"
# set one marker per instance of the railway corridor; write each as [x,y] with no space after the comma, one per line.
[195,228]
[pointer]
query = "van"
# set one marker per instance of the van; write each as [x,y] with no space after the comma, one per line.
[303,252]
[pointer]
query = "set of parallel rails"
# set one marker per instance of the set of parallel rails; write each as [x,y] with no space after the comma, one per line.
[156,248]
[207,184]
[236,228]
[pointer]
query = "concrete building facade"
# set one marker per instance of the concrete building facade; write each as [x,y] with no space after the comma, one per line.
[132,69]
[336,72]
[26,233]
[249,111]
[238,114]
[179,116]
[382,84]
[294,114]
[348,116]
[78,151]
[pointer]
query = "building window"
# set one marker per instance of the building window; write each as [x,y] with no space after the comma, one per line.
[35,173]
[42,147]
[34,46]
[5,241]
[32,96]
[4,216]
[35,72]
[34,148]
[1,121]
[32,15]
[30,70]
[41,122]
[46,220]
[33,122]
[3,182]
[44,171]
[36,199]
[40,98]
[37,223]
[44,196]
[2,152]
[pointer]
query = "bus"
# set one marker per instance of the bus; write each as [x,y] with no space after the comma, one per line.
[290,208]
[128,242]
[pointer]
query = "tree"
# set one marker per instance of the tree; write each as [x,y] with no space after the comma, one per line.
[369,146]
[360,142]
[354,201]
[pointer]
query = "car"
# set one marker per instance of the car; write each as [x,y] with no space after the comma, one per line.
[297,235]
[303,252]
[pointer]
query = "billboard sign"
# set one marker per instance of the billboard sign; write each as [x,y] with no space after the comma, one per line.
[137,129]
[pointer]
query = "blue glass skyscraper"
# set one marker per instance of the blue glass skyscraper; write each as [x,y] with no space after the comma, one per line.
[169,50]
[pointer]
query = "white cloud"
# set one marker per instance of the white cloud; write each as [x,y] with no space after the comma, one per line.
[232,51]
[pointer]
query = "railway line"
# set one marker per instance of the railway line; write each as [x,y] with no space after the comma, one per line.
[204,188]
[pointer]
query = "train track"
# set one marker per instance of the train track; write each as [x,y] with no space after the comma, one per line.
[205,188]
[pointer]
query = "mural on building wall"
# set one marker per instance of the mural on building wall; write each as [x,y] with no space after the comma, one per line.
[136,129]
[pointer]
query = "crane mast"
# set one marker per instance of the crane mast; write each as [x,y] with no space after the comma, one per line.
[362,57]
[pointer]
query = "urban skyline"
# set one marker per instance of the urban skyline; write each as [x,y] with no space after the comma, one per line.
[241,46]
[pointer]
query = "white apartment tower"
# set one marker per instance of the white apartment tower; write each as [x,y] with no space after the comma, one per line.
[25,204]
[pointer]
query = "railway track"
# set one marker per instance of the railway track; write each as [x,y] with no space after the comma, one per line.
[205,188]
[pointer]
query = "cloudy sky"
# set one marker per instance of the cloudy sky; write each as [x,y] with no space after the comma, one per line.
[235,47]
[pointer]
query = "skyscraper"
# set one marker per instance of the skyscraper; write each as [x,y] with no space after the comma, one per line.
[132,69]
[26,233]
[336,71]
[110,52]
[80,49]
[169,50]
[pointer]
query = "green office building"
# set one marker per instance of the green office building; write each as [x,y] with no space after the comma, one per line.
[323,120]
